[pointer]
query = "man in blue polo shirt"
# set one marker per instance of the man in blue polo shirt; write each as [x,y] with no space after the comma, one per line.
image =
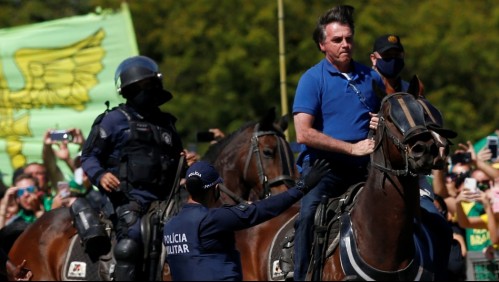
[200,240]
[332,110]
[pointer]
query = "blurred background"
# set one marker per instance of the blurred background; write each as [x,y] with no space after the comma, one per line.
[220,58]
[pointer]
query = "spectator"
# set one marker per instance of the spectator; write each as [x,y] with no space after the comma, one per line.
[12,271]
[30,208]
[388,60]
[8,206]
[457,255]
[208,239]
[28,199]
[50,155]
[3,187]
[332,110]
[39,171]
[474,210]
[132,155]
[217,135]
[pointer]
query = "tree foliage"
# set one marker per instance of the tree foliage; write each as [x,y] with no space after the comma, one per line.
[221,58]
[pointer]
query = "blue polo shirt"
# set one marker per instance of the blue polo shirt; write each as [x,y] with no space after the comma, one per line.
[340,105]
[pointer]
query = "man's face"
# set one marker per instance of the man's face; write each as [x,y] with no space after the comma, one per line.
[338,45]
[40,173]
[27,196]
[392,53]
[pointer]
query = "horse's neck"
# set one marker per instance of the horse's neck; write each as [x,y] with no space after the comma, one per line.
[384,218]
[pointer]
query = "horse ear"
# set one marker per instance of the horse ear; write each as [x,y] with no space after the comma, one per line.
[416,87]
[268,120]
[379,92]
[283,122]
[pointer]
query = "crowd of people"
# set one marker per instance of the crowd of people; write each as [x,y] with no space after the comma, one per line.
[133,151]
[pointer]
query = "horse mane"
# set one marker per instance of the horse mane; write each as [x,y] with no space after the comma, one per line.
[215,149]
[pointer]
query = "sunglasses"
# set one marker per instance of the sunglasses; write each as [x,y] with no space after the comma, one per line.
[483,185]
[22,191]
[461,175]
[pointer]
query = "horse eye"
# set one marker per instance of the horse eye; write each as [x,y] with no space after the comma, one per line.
[268,152]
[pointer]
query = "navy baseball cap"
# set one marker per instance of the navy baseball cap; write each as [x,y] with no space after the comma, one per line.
[387,42]
[206,172]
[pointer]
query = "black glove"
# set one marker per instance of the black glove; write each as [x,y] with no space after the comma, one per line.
[312,175]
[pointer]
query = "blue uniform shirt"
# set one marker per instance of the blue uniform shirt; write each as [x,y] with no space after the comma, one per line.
[109,140]
[200,242]
[339,104]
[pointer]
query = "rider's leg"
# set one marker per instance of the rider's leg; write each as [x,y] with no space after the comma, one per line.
[91,230]
[127,251]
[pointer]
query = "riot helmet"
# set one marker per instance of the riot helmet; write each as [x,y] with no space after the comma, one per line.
[139,74]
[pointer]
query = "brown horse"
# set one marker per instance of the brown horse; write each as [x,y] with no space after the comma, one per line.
[381,237]
[380,228]
[256,160]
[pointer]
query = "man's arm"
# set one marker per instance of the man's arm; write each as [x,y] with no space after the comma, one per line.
[306,134]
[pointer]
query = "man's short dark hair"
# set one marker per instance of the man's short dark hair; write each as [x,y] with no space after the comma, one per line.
[342,14]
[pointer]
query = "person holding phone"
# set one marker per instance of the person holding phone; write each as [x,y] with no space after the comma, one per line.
[12,271]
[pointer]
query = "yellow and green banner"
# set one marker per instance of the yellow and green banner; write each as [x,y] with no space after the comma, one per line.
[58,74]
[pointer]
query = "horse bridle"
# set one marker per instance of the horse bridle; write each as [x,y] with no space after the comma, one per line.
[284,155]
[400,144]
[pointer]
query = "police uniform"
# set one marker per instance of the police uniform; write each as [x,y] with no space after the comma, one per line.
[138,144]
[202,239]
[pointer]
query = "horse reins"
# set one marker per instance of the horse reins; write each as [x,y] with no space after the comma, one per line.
[283,154]
[402,148]
[397,142]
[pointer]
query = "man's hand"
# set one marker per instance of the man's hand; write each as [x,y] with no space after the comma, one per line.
[109,182]
[19,272]
[373,123]
[312,175]
[364,147]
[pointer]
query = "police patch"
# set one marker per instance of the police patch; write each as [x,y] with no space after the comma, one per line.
[167,138]
[102,133]
[242,206]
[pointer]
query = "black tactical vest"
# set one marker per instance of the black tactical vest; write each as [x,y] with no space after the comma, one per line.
[149,159]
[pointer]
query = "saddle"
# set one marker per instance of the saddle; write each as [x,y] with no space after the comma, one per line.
[326,226]
[80,265]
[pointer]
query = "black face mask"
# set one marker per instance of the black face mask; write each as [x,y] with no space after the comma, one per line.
[147,100]
[390,68]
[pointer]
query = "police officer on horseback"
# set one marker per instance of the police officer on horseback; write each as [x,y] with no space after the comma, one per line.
[132,154]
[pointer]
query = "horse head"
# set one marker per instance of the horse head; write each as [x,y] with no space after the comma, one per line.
[413,120]
[256,161]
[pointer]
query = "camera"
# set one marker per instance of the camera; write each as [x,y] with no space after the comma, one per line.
[205,136]
[463,158]
[60,135]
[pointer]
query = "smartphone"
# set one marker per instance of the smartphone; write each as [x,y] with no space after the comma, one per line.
[205,136]
[492,145]
[60,135]
[63,188]
[470,184]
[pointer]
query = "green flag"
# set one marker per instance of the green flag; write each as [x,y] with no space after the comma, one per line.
[57,75]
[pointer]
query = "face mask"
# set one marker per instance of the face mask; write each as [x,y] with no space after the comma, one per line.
[145,100]
[390,68]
